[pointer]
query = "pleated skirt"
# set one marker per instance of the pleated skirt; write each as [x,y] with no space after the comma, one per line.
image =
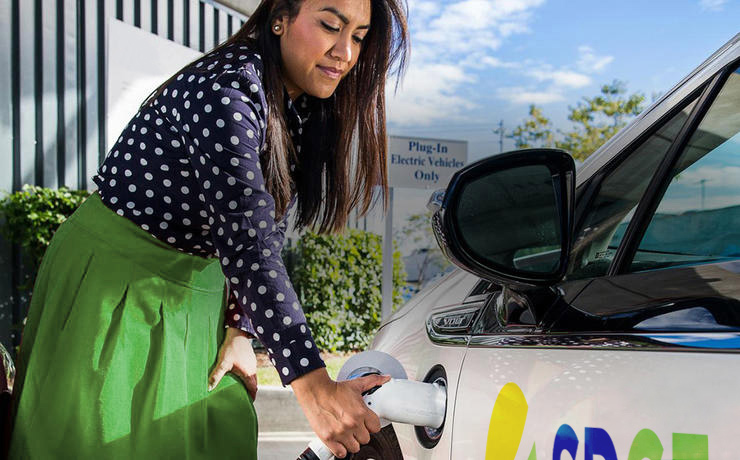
[121,336]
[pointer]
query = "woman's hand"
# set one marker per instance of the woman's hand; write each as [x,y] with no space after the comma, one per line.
[336,411]
[236,355]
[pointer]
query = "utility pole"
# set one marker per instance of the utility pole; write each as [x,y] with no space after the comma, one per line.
[500,132]
[386,306]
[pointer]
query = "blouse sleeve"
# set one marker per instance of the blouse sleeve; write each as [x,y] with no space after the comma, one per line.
[225,117]
[236,317]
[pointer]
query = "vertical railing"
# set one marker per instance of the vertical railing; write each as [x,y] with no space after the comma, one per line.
[53,95]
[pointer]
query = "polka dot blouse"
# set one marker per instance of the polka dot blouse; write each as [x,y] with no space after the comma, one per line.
[187,170]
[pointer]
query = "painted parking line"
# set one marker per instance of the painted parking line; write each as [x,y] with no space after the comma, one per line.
[286,436]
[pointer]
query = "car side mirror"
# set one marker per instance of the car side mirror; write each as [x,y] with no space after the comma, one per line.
[509,218]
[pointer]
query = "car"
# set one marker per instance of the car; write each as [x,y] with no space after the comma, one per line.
[595,312]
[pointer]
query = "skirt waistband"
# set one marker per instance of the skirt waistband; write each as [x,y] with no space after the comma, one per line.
[138,246]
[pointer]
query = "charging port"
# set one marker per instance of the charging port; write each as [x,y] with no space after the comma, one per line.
[429,437]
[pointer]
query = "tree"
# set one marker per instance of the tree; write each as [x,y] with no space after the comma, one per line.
[536,131]
[595,120]
[417,232]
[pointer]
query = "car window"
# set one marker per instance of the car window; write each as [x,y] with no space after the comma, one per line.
[612,208]
[698,218]
[688,319]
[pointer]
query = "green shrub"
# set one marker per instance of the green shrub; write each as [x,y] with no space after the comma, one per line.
[32,215]
[338,280]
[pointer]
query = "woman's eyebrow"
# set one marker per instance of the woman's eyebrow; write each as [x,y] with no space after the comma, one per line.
[342,17]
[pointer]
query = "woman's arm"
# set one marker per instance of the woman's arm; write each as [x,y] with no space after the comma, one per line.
[235,316]
[224,117]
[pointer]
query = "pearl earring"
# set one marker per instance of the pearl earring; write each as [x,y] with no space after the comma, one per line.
[276,27]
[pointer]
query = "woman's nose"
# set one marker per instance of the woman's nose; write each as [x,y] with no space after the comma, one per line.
[342,49]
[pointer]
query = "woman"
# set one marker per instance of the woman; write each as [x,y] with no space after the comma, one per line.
[119,353]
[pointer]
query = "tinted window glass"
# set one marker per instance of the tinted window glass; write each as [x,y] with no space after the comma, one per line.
[612,209]
[687,319]
[698,218]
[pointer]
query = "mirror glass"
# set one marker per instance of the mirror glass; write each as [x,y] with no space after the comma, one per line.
[510,218]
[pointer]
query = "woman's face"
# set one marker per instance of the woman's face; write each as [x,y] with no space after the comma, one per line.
[321,44]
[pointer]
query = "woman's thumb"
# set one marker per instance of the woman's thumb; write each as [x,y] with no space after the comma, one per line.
[369,382]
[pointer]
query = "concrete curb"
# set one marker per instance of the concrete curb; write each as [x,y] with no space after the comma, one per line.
[278,411]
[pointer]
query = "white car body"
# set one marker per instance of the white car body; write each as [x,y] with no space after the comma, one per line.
[510,399]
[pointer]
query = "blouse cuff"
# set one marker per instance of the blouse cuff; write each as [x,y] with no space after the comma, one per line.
[293,352]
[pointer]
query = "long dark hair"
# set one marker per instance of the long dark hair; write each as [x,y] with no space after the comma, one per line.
[329,181]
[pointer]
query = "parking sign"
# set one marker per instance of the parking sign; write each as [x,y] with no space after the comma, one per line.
[423,163]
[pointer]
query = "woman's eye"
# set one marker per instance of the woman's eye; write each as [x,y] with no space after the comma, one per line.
[357,39]
[329,28]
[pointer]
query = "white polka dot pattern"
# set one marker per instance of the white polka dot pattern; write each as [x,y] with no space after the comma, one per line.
[187,169]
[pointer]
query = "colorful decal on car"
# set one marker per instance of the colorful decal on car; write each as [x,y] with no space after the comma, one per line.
[509,416]
[507,423]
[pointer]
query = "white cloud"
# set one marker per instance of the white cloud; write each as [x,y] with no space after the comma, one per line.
[725,176]
[589,62]
[422,10]
[550,83]
[453,40]
[428,94]
[470,25]
[565,78]
[712,5]
[483,61]
[463,32]
[520,95]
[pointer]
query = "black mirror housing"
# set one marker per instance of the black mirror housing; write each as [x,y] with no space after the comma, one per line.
[509,218]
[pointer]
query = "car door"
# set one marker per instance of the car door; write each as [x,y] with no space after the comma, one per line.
[637,353]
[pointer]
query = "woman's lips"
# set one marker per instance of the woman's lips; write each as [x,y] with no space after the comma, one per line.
[330,72]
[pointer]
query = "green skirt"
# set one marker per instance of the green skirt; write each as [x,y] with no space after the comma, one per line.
[121,335]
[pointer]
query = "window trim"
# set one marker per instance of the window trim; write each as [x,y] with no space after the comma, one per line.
[588,191]
[662,177]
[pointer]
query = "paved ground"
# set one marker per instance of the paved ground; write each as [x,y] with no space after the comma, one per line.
[286,445]
[284,432]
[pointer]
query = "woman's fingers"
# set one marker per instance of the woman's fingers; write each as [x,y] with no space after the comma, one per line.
[336,448]
[236,355]
[249,379]
[365,422]
[251,385]
[363,384]
[352,445]
[336,410]
[341,445]
[369,382]
[362,436]
[372,423]
[218,373]
[245,367]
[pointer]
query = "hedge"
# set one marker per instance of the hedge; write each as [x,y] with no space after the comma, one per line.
[32,215]
[338,279]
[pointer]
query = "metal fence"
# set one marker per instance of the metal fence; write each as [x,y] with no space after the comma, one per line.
[53,57]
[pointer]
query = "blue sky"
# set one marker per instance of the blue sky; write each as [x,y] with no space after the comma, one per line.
[475,62]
